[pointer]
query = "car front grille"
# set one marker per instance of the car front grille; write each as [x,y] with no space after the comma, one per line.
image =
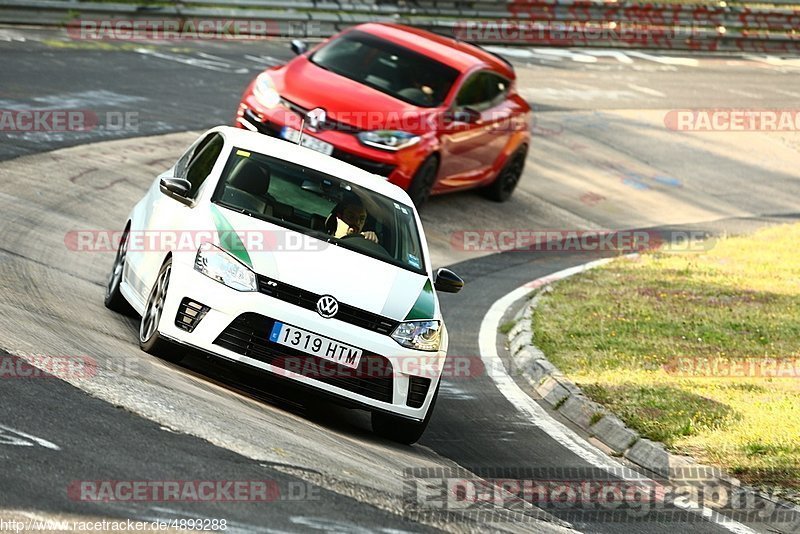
[308,300]
[248,335]
[273,130]
[375,167]
[327,124]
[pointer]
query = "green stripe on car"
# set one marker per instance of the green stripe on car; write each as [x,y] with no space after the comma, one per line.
[228,238]
[424,306]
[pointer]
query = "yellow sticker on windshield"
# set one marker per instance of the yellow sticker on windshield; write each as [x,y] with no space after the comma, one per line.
[243,153]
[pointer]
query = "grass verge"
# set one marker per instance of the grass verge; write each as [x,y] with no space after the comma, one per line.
[699,351]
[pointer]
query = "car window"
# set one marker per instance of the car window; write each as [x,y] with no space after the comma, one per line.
[202,161]
[308,201]
[387,67]
[482,90]
[183,163]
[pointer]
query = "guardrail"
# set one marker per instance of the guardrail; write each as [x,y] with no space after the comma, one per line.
[713,28]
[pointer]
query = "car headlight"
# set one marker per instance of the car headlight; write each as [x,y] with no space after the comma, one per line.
[265,91]
[388,139]
[224,268]
[419,335]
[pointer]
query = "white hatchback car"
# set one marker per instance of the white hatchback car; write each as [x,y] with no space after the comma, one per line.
[269,254]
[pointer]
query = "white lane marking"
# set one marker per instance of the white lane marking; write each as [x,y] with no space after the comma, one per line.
[539,417]
[510,52]
[586,95]
[452,391]
[747,94]
[665,60]
[208,64]
[775,61]
[647,90]
[10,436]
[269,60]
[11,35]
[616,54]
[72,101]
[787,93]
[569,54]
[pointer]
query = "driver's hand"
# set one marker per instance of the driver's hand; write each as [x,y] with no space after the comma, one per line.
[372,236]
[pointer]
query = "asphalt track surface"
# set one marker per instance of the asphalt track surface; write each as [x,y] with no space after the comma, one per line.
[603,160]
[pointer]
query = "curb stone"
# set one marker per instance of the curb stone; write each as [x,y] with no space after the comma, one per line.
[530,363]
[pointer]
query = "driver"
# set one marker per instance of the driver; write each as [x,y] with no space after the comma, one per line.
[351,216]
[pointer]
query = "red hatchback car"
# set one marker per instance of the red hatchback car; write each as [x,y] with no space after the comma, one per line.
[429,113]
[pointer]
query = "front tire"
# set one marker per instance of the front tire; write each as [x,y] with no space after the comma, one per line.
[150,340]
[423,181]
[114,300]
[503,186]
[400,429]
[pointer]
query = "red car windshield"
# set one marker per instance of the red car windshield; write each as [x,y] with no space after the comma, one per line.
[387,67]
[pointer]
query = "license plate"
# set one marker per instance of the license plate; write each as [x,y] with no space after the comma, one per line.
[311,343]
[290,134]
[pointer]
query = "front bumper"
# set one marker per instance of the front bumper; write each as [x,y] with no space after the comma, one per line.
[235,326]
[398,167]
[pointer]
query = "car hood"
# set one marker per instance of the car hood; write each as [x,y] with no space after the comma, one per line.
[309,86]
[293,258]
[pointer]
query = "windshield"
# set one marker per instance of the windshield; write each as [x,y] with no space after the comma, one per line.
[387,67]
[321,206]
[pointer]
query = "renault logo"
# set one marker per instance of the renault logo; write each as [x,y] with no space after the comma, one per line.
[316,118]
[327,306]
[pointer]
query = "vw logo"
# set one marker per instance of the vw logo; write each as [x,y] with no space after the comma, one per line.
[316,117]
[327,306]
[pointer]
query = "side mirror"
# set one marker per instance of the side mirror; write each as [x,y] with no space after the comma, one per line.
[447,281]
[466,114]
[177,188]
[298,47]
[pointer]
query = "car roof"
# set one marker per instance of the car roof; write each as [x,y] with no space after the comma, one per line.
[457,54]
[278,148]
